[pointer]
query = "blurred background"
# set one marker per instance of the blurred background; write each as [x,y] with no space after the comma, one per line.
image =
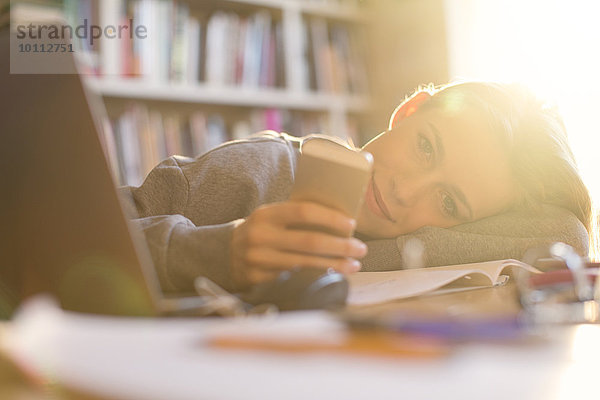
[213,70]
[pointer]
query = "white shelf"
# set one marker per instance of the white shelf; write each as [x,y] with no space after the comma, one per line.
[327,9]
[223,95]
[335,11]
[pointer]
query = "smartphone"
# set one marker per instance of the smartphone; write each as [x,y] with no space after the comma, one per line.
[332,174]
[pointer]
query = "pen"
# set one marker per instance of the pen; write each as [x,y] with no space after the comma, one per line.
[497,328]
[563,276]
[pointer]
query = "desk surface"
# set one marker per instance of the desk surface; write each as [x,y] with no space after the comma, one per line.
[158,359]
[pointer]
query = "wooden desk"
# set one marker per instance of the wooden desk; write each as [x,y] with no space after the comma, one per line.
[170,359]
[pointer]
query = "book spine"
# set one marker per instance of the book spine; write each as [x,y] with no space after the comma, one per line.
[145,46]
[198,133]
[127,63]
[148,156]
[110,148]
[339,59]
[240,51]
[193,51]
[216,133]
[250,50]
[232,32]
[158,135]
[215,57]
[164,24]
[111,13]
[172,135]
[321,54]
[279,60]
[129,150]
[265,69]
[136,47]
[292,48]
[180,48]
[357,65]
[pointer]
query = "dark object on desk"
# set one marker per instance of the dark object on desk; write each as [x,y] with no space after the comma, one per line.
[301,289]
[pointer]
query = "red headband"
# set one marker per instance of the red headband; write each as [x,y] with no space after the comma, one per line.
[407,108]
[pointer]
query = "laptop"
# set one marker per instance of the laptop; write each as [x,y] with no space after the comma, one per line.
[63,230]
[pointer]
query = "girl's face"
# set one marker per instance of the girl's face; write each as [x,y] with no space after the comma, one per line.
[434,169]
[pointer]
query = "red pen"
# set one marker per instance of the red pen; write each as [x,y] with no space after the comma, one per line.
[561,276]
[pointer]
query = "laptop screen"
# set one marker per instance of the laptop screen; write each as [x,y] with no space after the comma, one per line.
[63,229]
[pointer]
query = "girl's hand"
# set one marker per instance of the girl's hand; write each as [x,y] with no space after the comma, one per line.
[278,236]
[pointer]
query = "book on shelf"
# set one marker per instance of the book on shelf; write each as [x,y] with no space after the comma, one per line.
[81,12]
[243,50]
[321,55]
[304,63]
[378,287]
[198,133]
[141,137]
[279,120]
[256,39]
[194,51]
[109,145]
[230,48]
[128,146]
[336,57]
[110,50]
[222,48]
[180,47]
[173,135]
[215,131]
[169,51]
[340,56]
[215,56]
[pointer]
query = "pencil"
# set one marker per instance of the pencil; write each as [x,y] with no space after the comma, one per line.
[367,343]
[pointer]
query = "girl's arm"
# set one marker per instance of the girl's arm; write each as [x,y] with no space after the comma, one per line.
[502,236]
[180,250]
[225,216]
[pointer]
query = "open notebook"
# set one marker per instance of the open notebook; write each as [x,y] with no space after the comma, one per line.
[377,287]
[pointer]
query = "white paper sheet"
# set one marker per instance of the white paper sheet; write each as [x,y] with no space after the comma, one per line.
[377,287]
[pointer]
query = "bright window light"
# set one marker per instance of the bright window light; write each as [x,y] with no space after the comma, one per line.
[549,45]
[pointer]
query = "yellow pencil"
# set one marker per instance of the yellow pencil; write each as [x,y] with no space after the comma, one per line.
[368,343]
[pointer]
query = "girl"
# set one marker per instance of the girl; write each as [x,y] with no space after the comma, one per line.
[476,171]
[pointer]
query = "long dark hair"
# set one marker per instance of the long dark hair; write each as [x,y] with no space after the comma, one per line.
[534,136]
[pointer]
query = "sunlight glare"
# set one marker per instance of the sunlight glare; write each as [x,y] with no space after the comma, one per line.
[548,45]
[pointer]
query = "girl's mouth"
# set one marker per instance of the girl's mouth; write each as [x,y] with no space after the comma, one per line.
[376,203]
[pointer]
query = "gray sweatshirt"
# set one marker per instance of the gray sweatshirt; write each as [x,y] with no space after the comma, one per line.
[187,209]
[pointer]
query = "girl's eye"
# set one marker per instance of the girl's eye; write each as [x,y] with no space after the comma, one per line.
[425,147]
[449,206]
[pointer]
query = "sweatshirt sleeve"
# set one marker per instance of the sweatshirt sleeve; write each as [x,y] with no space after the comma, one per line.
[179,249]
[187,208]
[503,236]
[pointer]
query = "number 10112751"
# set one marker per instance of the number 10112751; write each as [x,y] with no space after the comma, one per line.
[45,48]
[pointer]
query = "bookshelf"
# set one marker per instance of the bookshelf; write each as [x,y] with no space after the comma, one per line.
[330,66]
[248,65]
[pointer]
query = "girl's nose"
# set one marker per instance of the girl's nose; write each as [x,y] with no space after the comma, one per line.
[408,190]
